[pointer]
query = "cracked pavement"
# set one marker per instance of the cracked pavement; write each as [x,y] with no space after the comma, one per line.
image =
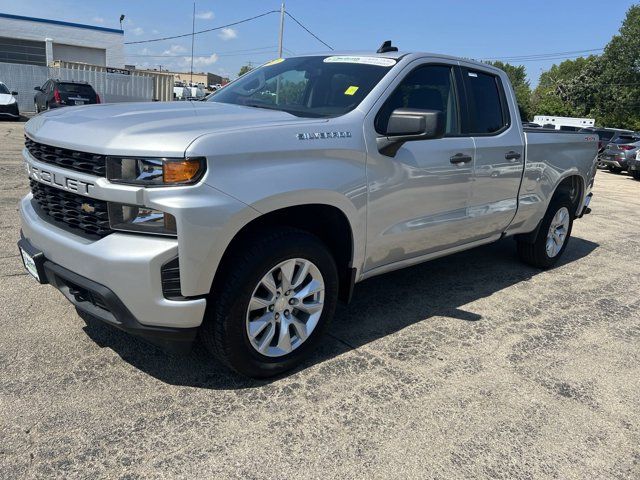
[471,366]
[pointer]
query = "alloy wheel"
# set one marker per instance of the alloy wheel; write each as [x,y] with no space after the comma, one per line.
[285,307]
[557,232]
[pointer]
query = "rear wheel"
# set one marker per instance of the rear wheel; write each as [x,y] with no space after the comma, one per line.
[636,174]
[272,303]
[615,169]
[553,235]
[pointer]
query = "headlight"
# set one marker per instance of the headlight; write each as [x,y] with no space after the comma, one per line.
[131,218]
[155,171]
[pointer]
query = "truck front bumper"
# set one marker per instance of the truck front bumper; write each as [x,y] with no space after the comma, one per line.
[122,270]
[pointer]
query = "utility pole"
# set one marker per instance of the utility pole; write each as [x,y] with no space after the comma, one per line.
[193,37]
[281,30]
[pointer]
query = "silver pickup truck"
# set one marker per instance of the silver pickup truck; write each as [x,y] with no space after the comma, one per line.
[245,218]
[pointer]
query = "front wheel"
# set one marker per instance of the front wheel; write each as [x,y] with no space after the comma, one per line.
[553,235]
[275,297]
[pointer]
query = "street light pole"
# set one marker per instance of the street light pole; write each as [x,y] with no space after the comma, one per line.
[281,30]
[193,36]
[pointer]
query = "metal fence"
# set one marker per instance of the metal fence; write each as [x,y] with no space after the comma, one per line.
[112,87]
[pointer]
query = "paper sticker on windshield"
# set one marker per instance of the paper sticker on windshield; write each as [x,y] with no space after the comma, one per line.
[378,61]
[351,90]
[274,62]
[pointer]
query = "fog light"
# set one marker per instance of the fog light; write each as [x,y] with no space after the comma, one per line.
[132,218]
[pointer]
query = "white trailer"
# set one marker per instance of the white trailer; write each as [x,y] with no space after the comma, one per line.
[564,123]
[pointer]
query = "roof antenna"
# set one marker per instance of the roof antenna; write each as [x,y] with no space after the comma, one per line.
[387,47]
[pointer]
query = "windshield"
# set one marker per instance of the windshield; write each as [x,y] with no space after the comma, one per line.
[625,139]
[308,86]
[77,88]
[3,88]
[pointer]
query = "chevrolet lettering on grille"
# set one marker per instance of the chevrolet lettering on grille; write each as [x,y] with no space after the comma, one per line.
[59,180]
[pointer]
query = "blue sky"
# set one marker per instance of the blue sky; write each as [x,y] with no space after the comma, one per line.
[469,28]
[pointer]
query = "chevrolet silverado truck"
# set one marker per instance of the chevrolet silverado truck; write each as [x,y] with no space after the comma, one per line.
[244,219]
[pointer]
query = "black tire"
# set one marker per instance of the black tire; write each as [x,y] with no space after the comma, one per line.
[535,253]
[223,332]
[615,169]
[636,174]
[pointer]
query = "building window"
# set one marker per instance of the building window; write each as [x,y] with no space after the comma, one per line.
[28,52]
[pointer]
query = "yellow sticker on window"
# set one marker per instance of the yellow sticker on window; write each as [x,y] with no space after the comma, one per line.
[351,90]
[274,62]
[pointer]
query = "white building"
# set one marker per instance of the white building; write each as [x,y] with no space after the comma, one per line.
[39,41]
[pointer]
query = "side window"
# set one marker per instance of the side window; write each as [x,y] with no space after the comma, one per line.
[485,99]
[430,87]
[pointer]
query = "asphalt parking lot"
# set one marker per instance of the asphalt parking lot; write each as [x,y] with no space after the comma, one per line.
[473,366]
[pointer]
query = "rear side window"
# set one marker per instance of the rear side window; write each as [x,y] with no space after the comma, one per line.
[486,103]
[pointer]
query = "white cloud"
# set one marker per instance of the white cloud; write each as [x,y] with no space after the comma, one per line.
[137,31]
[155,32]
[205,15]
[173,49]
[98,20]
[228,34]
[201,61]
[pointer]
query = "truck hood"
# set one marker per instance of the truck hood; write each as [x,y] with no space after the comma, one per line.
[149,129]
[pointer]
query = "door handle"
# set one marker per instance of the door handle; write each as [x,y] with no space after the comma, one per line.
[460,158]
[512,155]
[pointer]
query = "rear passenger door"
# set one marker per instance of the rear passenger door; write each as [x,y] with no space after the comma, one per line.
[493,123]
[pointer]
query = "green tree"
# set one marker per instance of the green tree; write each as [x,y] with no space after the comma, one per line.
[518,78]
[552,96]
[244,69]
[605,87]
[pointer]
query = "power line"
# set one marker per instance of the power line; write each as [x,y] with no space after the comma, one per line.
[309,31]
[545,56]
[204,31]
[266,52]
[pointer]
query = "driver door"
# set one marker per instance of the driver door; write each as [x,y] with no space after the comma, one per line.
[419,198]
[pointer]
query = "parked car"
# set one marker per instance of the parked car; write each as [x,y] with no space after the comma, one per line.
[8,103]
[618,153]
[63,93]
[607,135]
[245,218]
[634,166]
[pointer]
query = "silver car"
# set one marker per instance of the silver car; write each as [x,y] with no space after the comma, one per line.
[618,153]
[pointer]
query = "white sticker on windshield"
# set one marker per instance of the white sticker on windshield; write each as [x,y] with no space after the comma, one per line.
[378,61]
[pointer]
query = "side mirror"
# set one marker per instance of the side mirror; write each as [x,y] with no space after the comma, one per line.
[15,94]
[409,124]
[38,88]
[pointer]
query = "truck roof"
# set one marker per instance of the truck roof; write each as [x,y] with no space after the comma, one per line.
[396,55]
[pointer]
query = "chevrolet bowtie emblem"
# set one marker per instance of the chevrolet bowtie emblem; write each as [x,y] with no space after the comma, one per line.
[85,207]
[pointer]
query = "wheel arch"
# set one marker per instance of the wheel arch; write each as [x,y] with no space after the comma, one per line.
[327,221]
[572,185]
